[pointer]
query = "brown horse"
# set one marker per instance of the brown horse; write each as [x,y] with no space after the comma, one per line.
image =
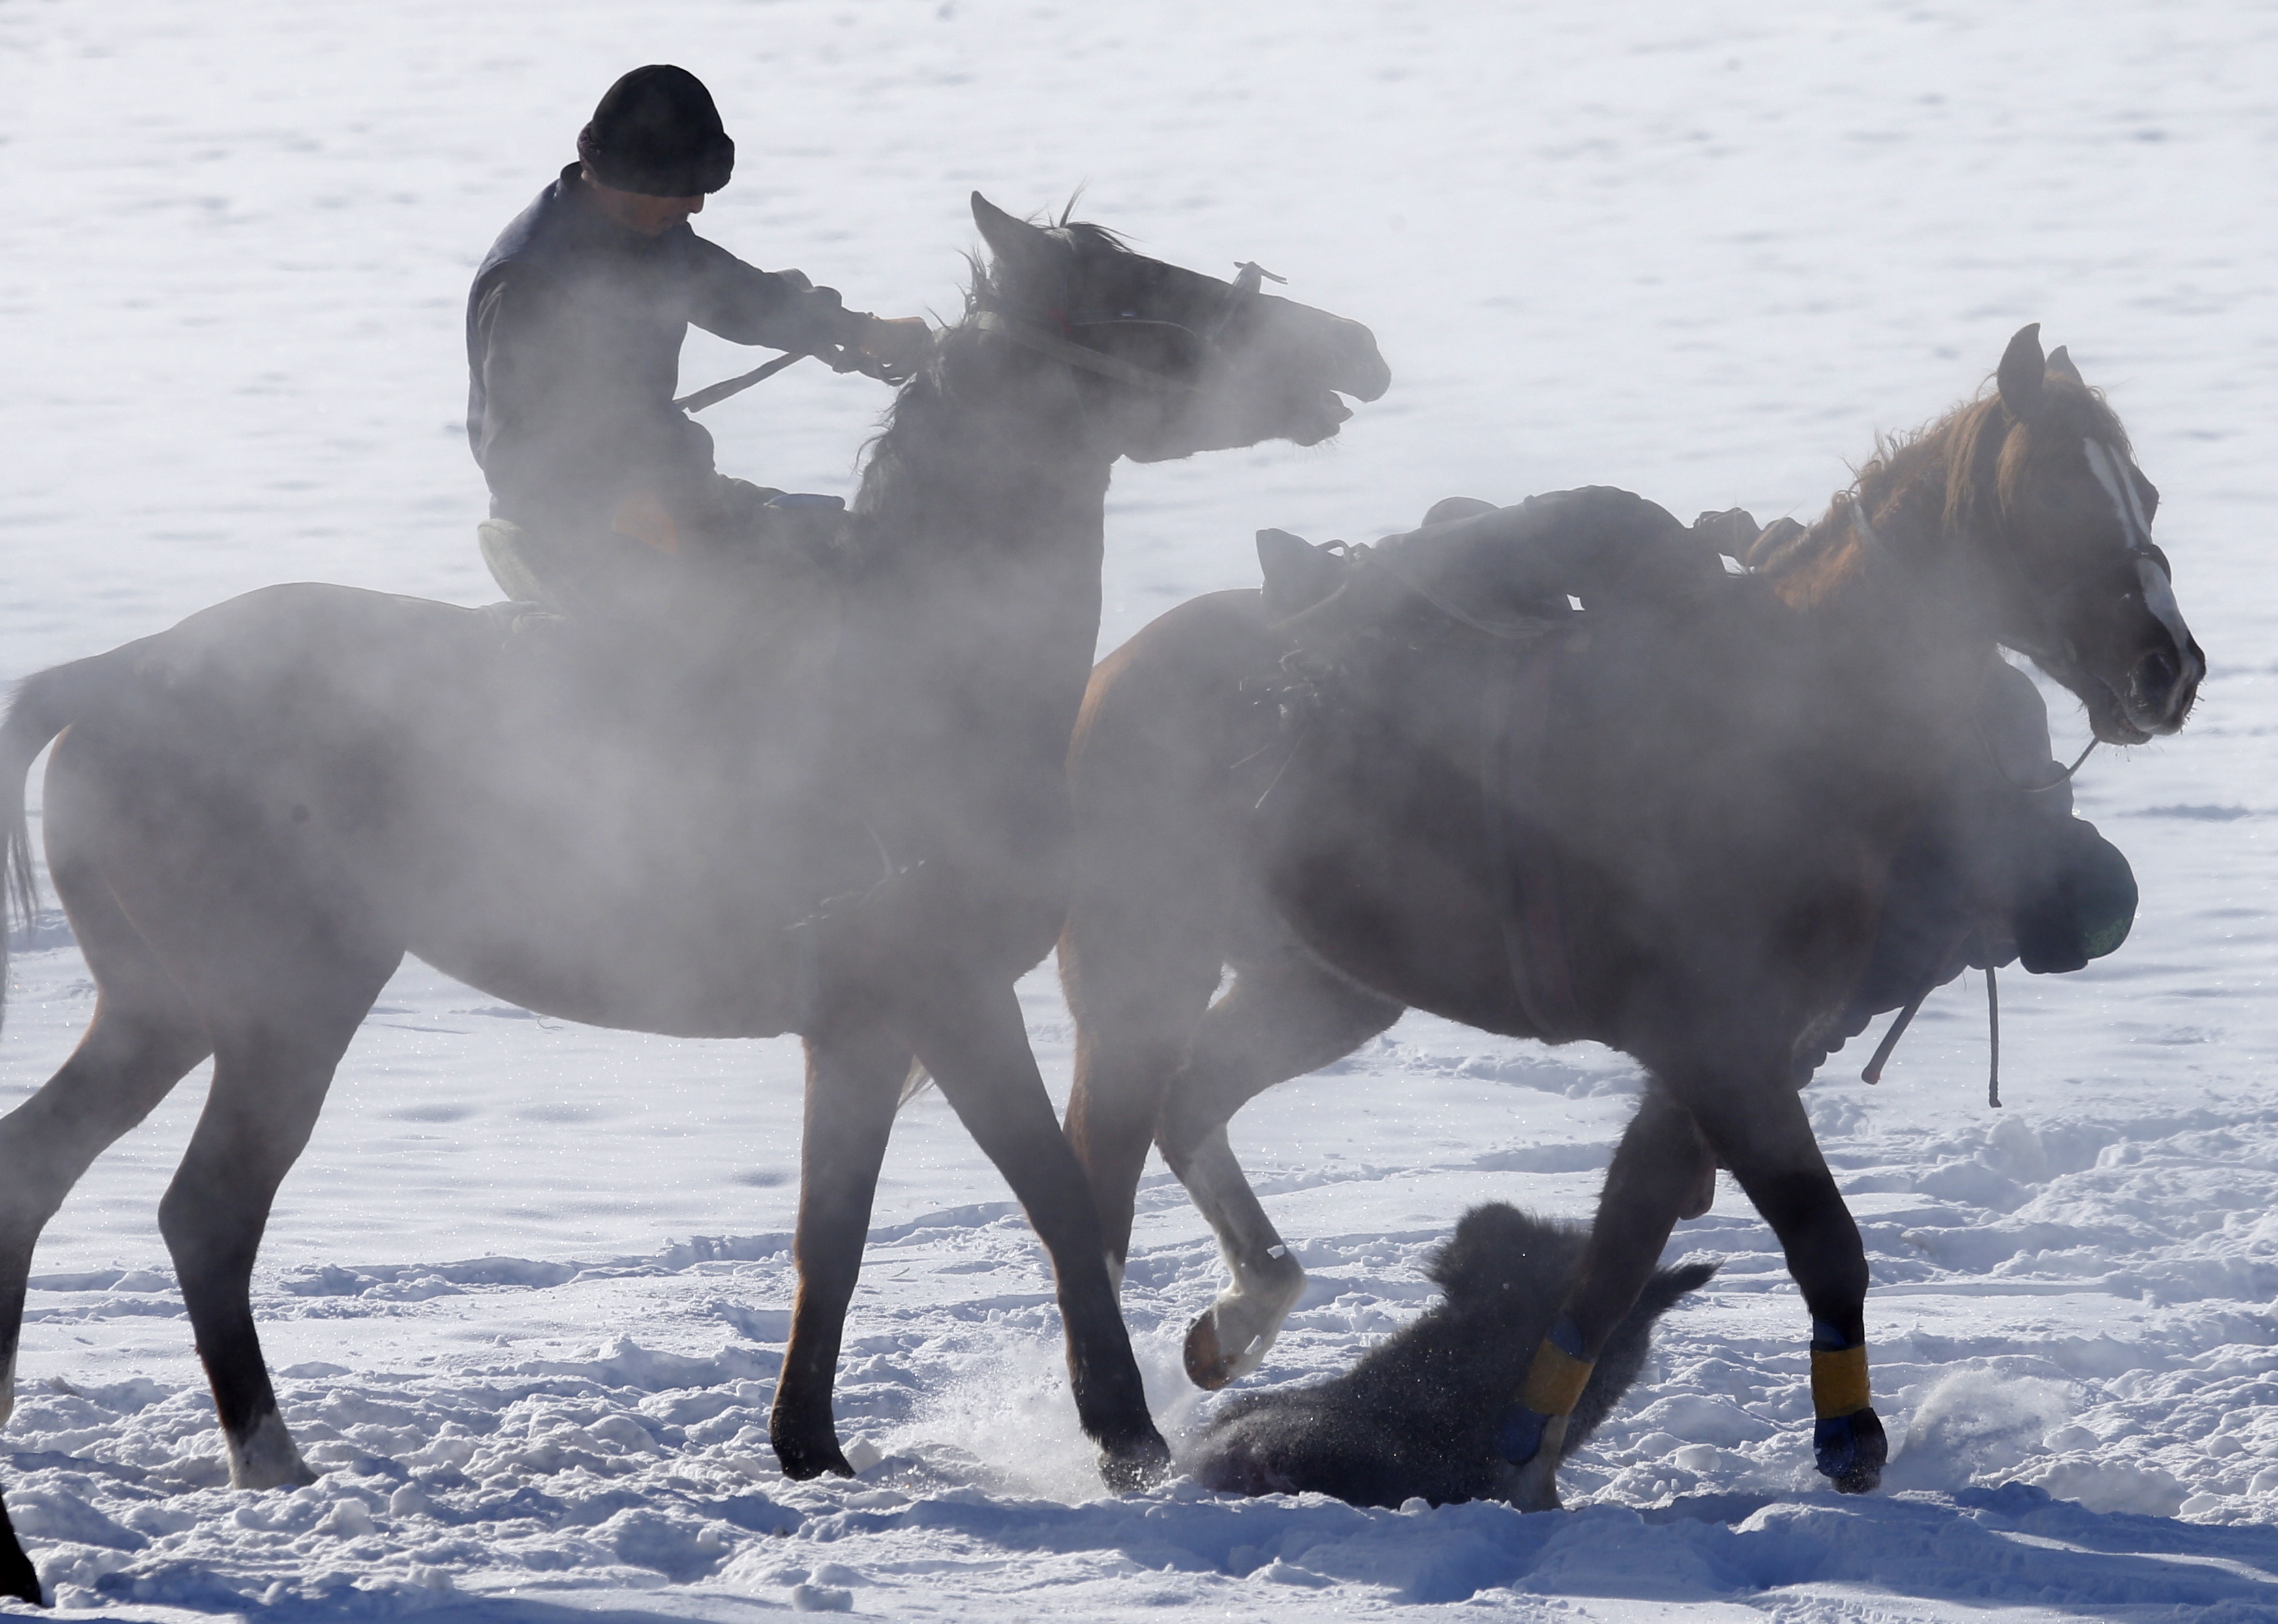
[1689,809]
[251,818]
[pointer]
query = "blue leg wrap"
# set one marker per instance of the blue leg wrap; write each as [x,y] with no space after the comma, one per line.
[1520,1437]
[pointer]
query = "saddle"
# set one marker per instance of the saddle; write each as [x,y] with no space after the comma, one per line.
[2001,870]
[764,607]
[1496,570]
[1520,579]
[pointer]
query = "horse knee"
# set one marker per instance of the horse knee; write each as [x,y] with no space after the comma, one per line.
[207,1233]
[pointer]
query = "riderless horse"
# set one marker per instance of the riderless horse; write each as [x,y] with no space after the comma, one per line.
[1664,827]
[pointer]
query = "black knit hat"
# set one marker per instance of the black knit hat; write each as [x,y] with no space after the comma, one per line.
[657,132]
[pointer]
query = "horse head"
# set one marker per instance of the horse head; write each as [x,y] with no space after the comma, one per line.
[1168,361]
[2077,582]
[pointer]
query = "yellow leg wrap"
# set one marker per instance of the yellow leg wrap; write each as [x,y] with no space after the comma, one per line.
[1839,1381]
[1554,1381]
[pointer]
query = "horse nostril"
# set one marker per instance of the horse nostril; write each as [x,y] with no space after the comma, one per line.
[2157,675]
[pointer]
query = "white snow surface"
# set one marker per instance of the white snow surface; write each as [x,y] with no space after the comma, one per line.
[526,1293]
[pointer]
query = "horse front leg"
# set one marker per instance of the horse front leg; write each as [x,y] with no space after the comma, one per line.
[1659,1174]
[1765,1138]
[1663,1164]
[855,1070]
[970,1035]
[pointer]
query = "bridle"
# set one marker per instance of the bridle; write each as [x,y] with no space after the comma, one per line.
[1082,357]
[2148,564]
[2141,560]
[1049,330]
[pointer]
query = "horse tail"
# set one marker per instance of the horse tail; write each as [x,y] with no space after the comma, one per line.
[45,705]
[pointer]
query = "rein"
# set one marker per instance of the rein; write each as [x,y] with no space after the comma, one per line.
[2002,767]
[1028,336]
[1880,553]
[712,394]
[1873,1073]
[1007,327]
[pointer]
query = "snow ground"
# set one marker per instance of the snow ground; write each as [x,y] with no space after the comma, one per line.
[1703,251]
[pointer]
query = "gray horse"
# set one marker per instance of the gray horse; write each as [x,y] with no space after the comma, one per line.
[251,818]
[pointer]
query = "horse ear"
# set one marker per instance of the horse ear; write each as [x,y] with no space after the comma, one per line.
[2060,365]
[2022,372]
[1016,246]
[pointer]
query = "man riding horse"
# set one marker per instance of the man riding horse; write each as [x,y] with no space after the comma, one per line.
[574,329]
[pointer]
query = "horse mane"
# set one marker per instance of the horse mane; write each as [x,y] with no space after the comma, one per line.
[1972,459]
[983,292]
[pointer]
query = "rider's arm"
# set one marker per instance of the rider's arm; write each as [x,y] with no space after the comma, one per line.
[779,309]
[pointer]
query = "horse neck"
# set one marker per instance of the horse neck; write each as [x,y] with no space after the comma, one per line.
[1893,601]
[984,503]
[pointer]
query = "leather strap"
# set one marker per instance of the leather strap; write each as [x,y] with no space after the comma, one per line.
[1077,355]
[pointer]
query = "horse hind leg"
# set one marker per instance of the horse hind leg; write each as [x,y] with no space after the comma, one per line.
[125,1064]
[1137,993]
[1286,1015]
[855,1076]
[271,1070]
[128,1060]
[145,1038]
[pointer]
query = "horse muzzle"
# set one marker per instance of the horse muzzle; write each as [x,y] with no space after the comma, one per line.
[2158,690]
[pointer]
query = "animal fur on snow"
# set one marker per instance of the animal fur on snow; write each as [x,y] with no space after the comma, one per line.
[1418,1415]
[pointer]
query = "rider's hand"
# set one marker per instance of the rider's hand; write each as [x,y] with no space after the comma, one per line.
[899,344]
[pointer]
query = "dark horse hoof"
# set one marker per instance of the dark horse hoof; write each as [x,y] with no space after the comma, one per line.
[803,1456]
[1850,1448]
[18,1579]
[1207,1365]
[1142,1463]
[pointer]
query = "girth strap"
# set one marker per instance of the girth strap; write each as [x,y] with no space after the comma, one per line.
[1515,728]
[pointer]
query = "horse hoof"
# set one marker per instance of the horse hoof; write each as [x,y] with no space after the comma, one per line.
[1207,1365]
[1143,1463]
[1533,1486]
[267,1458]
[1851,1450]
[802,1458]
[19,1580]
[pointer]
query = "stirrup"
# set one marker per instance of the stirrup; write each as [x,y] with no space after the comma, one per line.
[502,542]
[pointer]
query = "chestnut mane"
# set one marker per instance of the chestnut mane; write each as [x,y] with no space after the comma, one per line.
[1953,477]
